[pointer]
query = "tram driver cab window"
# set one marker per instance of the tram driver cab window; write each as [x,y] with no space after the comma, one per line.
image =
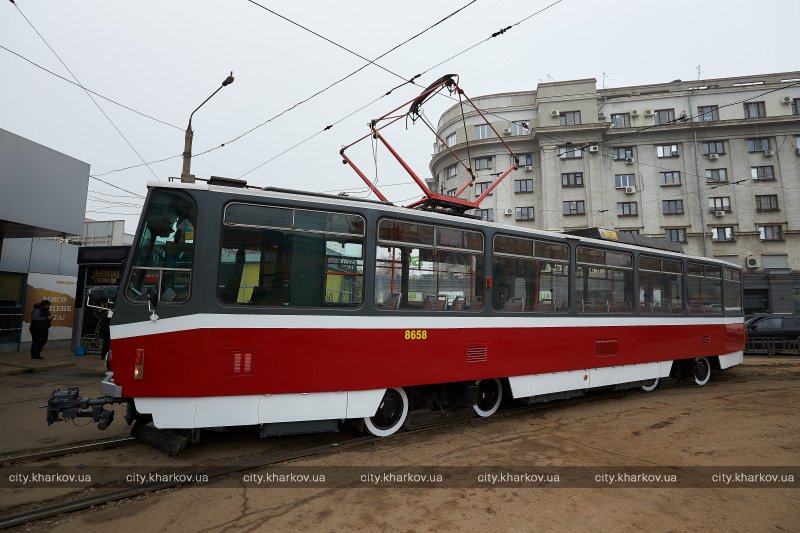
[164,253]
[428,268]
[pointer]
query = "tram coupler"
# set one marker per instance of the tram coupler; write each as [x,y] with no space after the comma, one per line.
[68,404]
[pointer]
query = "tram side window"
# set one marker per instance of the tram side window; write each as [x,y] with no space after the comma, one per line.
[704,283]
[163,257]
[430,268]
[733,290]
[529,275]
[303,259]
[660,285]
[603,281]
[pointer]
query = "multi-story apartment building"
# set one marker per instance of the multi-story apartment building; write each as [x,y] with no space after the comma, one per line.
[713,164]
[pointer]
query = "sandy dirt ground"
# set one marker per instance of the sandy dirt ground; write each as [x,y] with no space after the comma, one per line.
[743,417]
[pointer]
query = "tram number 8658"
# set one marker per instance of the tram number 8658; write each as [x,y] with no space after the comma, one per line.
[416,334]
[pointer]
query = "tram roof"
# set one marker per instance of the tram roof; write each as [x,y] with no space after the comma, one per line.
[335,200]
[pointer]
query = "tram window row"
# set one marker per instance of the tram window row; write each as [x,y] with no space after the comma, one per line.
[273,256]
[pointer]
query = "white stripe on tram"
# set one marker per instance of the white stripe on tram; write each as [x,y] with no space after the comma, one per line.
[360,322]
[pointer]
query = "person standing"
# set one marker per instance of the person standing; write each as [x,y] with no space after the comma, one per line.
[40,327]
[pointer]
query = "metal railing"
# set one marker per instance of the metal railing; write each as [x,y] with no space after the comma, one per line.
[773,346]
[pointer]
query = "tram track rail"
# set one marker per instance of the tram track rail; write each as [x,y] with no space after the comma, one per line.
[272,459]
[54,453]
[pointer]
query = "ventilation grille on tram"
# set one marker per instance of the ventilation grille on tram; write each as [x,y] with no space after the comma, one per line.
[477,354]
[706,340]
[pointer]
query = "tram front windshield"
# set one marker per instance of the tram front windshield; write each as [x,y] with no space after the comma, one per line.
[163,257]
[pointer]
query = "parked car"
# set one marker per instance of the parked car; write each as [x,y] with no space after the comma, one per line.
[781,331]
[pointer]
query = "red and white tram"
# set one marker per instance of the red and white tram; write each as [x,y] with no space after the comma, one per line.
[268,307]
[294,311]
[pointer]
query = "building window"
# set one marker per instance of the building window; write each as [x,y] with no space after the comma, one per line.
[719,203]
[482,163]
[520,128]
[762,173]
[482,132]
[451,192]
[485,214]
[523,213]
[570,118]
[754,110]
[716,175]
[672,207]
[770,233]
[624,180]
[672,177]
[451,171]
[757,144]
[766,202]
[664,116]
[577,207]
[708,112]
[525,160]
[521,186]
[621,120]
[627,209]
[667,150]
[628,231]
[481,187]
[451,139]
[795,106]
[569,152]
[713,147]
[675,234]
[722,234]
[572,179]
[621,153]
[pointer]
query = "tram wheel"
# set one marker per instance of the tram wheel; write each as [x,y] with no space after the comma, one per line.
[650,386]
[702,371]
[391,414]
[490,394]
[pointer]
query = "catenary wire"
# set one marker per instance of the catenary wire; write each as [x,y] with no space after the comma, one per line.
[86,90]
[107,99]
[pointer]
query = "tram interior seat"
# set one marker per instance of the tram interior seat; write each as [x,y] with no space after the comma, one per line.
[434,303]
[458,303]
[515,304]
[477,304]
[392,302]
[544,306]
[592,306]
[696,308]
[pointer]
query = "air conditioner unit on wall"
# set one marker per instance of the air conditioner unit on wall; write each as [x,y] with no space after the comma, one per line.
[629,160]
[601,115]
[753,261]
[507,131]
[594,149]
[786,99]
[634,113]
[648,112]
[528,168]
[554,113]
[509,212]
[630,190]
[713,156]
[719,213]
[768,153]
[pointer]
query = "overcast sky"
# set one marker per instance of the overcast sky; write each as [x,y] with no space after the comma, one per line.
[164,58]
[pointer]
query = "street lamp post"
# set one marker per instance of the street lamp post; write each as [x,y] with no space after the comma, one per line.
[186,176]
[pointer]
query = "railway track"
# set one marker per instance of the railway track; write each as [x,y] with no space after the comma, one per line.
[261,461]
[39,455]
